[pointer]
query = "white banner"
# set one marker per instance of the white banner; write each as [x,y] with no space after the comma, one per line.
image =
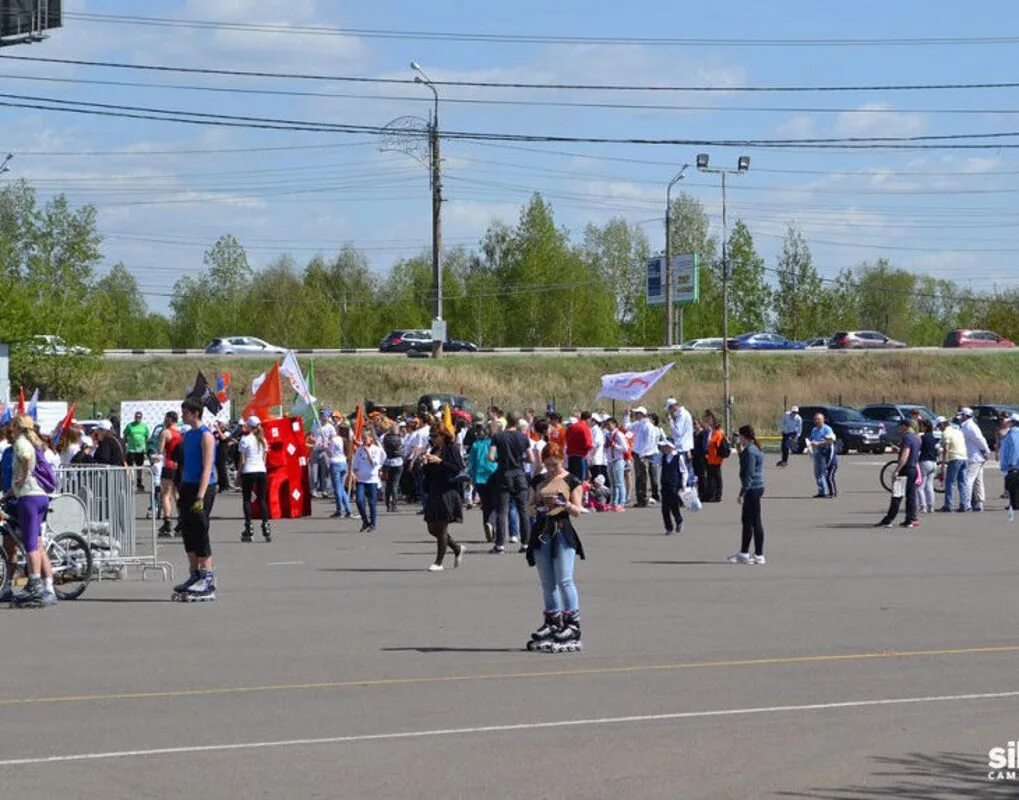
[630,385]
[291,370]
[153,412]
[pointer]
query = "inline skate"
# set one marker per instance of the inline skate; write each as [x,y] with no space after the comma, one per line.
[567,638]
[541,639]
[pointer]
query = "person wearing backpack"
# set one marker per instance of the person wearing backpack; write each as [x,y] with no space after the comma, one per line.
[33,481]
[718,449]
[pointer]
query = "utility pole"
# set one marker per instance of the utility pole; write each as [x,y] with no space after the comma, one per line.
[435,164]
[669,312]
[742,166]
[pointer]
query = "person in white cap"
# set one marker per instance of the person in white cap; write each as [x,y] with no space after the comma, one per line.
[596,461]
[108,448]
[645,449]
[977,452]
[682,427]
[791,428]
[1008,462]
[254,486]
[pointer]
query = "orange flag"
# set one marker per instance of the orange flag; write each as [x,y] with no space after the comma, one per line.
[358,424]
[269,394]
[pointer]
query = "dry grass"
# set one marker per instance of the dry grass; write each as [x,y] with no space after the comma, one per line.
[761,384]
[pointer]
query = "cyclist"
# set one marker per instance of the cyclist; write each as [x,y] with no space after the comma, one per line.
[32,504]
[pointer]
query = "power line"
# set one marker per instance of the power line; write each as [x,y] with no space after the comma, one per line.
[523,85]
[508,38]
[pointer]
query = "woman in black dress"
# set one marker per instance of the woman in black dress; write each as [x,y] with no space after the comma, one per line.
[442,470]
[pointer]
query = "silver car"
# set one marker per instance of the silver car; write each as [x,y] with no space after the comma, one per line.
[233,345]
[699,344]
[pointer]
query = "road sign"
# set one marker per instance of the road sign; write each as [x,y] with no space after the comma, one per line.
[686,284]
[655,282]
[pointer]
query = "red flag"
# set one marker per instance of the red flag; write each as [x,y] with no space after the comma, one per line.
[223,388]
[21,399]
[269,394]
[358,424]
[65,423]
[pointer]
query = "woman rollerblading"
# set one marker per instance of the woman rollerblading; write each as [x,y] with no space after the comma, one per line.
[542,638]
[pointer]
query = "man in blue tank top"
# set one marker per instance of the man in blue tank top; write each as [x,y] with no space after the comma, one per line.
[197,495]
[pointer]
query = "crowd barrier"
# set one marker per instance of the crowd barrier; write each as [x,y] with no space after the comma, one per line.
[112,522]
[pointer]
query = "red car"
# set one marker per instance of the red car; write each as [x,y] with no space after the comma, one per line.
[963,338]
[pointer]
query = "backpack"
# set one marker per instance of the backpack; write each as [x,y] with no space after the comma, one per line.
[724,448]
[43,473]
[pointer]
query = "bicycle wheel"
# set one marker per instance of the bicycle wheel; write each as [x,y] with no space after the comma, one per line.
[72,565]
[7,573]
[888,475]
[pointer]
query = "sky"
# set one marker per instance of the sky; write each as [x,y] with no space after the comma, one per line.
[165,191]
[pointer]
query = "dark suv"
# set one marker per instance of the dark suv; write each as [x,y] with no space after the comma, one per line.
[403,340]
[891,415]
[988,417]
[852,430]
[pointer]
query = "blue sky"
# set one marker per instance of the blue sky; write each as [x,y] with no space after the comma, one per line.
[947,213]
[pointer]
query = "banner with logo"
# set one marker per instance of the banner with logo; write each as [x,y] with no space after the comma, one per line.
[631,385]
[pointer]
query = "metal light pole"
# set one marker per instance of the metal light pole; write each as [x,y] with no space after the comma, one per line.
[742,165]
[436,181]
[3,164]
[669,312]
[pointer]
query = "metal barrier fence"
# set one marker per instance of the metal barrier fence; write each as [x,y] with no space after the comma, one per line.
[112,520]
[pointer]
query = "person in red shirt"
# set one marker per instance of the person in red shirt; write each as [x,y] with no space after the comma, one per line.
[556,432]
[714,458]
[579,442]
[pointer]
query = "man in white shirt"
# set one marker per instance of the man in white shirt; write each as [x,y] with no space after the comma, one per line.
[645,448]
[415,446]
[596,461]
[791,428]
[977,453]
[322,434]
[682,426]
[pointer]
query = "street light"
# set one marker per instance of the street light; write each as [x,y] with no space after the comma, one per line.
[742,165]
[669,312]
[436,181]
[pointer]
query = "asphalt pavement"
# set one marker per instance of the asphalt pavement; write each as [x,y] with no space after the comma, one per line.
[858,663]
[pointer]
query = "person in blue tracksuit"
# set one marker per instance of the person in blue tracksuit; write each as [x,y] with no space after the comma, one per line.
[821,441]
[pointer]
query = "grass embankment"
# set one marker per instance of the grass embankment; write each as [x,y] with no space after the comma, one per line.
[760,383]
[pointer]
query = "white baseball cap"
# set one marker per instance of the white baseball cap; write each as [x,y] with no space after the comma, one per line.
[1014,418]
[253,421]
[571,421]
[966,412]
[794,409]
[640,410]
[672,401]
[940,420]
[104,425]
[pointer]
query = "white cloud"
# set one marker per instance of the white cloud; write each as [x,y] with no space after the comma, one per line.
[877,119]
[798,127]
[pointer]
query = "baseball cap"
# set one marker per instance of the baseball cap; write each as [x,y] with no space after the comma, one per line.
[672,401]
[940,420]
[253,421]
[666,443]
[640,410]
[104,425]
[1014,418]
[966,412]
[794,409]
[571,421]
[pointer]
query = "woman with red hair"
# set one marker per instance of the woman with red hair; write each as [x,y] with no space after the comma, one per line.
[443,474]
[556,498]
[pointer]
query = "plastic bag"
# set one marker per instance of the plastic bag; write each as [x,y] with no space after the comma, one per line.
[691,501]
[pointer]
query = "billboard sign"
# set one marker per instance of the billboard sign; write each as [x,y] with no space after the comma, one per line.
[27,20]
[686,283]
[655,281]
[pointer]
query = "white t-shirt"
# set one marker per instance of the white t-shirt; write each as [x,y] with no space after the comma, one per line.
[337,450]
[253,452]
[596,458]
[69,452]
[367,461]
[323,435]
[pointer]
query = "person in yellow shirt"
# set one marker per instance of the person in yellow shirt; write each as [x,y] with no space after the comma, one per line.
[953,449]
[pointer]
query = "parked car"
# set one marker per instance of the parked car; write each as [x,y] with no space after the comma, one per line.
[433,403]
[763,341]
[403,340]
[51,345]
[967,338]
[863,340]
[699,344]
[235,345]
[817,343]
[449,346]
[852,430]
[988,418]
[892,415]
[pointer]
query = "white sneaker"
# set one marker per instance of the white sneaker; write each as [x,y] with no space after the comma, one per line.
[1011,514]
[757,560]
[514,539]
[435,567]
[739,558]
[652,502]
[458,559]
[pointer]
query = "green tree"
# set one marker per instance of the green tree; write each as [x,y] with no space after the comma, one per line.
[350,317]
[617,252]
[749,293]
[117,300]
[798,300]
[885,296]
[210,305]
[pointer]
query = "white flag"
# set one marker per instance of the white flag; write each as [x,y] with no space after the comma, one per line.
[630,385]
[258,381]
[291,370]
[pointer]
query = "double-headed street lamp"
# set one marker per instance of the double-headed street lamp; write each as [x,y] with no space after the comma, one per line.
[742,165]
[669,312]
[436,181]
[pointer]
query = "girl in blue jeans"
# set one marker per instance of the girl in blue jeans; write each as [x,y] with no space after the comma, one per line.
[556,498]
[338,471]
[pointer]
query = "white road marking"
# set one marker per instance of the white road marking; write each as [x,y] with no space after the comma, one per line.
[524,726]
[285,564]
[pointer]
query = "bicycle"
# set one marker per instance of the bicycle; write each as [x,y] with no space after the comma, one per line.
[69,554]
[889,470]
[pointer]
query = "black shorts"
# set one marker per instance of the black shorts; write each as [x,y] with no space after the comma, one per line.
[168,474]
[195,525]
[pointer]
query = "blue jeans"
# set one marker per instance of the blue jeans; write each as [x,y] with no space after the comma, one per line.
[617,477]
[339,474]
[556,573]
[369,492]
[955,478]
[821,472]
[514,521]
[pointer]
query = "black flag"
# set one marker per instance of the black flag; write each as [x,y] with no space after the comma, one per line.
[204,394]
